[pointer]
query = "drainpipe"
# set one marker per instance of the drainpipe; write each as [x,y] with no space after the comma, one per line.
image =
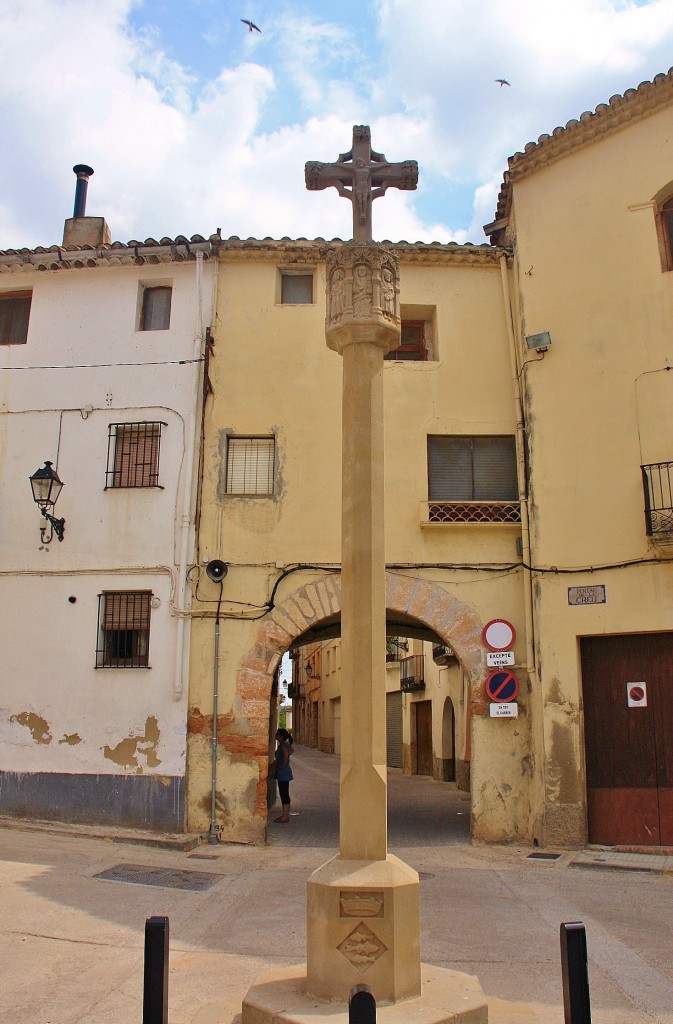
[181,590]
[537,724]
[213,837]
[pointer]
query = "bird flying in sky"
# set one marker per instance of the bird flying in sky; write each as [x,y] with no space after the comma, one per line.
[503,81]
[251,25]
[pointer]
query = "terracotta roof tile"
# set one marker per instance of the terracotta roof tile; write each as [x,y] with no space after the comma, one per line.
[181,248]
[608,117]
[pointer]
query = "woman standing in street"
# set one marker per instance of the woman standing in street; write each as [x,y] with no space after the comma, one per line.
[284,774]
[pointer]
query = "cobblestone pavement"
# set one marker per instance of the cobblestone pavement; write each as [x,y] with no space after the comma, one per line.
[421,812]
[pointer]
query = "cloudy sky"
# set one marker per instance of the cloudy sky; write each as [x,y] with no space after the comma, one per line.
[192,122]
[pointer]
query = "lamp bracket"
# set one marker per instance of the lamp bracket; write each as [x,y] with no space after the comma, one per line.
[56,526]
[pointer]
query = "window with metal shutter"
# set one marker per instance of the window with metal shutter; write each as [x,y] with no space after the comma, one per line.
[480,468]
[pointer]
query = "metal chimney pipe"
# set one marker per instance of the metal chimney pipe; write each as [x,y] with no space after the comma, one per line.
[83,173]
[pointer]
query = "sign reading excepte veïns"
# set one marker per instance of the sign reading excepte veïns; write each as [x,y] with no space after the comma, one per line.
[495,659]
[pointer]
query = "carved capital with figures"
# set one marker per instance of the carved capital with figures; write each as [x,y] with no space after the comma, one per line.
[363,304]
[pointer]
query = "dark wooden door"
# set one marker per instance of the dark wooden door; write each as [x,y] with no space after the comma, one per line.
[394,727]
[629,750]
[424,737]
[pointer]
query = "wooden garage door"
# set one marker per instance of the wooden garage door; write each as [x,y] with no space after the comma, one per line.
[629,750]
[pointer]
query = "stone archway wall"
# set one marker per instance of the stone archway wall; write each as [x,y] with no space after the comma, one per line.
[452,620]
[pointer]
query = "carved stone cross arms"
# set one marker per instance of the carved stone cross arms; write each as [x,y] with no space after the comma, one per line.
[361,175]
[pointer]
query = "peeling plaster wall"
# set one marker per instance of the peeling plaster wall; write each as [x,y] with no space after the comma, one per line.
[76,742]
[79,724]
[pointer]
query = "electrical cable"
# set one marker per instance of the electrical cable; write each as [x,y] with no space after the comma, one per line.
[103,366]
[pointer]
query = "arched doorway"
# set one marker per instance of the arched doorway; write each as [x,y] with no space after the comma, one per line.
[314,609]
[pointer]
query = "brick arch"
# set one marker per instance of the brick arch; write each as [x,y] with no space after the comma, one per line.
[427,602]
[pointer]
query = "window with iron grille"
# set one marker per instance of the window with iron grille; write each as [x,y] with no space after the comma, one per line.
[472,479]
[156,309]
[14,316]
[296,289]
[412,343]
[123,629]
[133,454]
[250,465]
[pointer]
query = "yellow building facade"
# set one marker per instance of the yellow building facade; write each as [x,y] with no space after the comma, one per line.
[530,391]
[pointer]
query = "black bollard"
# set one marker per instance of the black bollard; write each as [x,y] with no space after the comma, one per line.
[361,1006]
[155,994]
[575,972]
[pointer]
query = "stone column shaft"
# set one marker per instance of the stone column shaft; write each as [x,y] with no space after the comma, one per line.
[363,832]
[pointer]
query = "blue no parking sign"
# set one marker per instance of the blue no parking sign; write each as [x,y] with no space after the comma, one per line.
[502,686]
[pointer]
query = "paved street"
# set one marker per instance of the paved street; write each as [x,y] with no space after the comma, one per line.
[421,812]
[73,913]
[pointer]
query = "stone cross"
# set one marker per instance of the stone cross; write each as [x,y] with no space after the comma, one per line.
[361,175]
[363,905]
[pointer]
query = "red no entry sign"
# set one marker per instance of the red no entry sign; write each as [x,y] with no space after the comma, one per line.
[502,686]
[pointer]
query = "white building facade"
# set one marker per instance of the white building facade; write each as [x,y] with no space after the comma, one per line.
[102,352]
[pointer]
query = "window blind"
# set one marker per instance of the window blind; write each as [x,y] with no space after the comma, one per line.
[250,463]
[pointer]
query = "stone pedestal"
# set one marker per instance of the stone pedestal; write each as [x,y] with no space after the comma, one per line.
[363,927]
[446,997]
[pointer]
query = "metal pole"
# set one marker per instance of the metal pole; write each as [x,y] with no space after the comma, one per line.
[575,972]
[155,993]
[213,838]
[361,1005]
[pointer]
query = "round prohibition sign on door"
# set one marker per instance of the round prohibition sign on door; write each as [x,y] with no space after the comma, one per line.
[502,686]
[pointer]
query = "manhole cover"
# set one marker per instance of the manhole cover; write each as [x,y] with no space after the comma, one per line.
[167,878]
[543,856]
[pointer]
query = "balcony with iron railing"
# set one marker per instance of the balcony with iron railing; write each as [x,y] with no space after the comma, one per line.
[412,673]
[658,488]
[443,655]
[394,648]
[295,691]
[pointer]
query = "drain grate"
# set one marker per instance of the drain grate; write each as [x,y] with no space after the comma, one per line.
[543,856]
[203,856]
[167,878]
[424,875]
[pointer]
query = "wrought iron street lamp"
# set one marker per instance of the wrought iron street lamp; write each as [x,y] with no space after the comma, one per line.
[46,487]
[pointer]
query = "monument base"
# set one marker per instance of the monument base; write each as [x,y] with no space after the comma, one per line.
[447,997]
[363,927]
